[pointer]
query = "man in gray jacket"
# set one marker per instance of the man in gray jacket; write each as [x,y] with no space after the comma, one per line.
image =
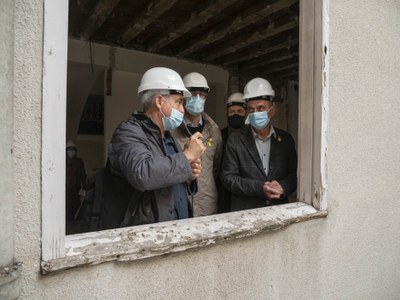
[144,153]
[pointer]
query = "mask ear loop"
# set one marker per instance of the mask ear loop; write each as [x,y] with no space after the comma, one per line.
[269,111]
[167,102]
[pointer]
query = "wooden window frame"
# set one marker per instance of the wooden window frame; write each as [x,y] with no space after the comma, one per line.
[62,252]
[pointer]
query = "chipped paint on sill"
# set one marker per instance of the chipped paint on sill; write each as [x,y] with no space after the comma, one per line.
[145,241]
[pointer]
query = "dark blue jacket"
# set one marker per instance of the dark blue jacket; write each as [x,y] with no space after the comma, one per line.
[137,153]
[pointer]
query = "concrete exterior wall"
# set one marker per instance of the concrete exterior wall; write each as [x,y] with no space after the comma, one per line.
[352,254]
[27,139]
[6,135]
[362,240]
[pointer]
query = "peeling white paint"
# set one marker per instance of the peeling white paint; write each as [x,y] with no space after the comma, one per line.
[323,205]
[146,241]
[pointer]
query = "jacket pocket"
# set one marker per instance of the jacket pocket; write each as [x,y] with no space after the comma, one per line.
[142,209]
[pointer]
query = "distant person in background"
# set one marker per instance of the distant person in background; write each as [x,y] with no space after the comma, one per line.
[236,115]
[75,180]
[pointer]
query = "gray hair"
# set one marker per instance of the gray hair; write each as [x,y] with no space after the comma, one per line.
[147,97]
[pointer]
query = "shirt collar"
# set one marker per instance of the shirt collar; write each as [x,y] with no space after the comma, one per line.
[271,132]
[187,122]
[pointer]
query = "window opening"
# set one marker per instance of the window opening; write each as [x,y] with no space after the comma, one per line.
[285,83]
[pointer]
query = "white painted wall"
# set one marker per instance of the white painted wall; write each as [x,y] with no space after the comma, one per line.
[82,81]
[128,67]
[123,101]
[352,254]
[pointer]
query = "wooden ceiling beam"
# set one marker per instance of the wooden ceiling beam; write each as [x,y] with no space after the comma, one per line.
[292,73]
[283,68]
[100,14]
[259,51]
[250,16]
[289,71]
[272,67]
[177,30]
[239,42]
[276,56]
[143,19]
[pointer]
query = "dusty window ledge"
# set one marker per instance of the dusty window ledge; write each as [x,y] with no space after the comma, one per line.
[139,242]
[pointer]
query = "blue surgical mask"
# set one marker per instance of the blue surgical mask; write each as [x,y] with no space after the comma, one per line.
[259,119]
[195,105]
[174,120]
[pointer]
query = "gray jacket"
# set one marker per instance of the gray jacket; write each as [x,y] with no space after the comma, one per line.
[137,153]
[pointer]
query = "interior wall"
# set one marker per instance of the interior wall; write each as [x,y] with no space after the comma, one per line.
[84,80]
[128,67]
[122,102]
[292,112]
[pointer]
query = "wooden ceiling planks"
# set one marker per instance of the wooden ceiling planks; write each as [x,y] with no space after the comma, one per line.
[248,37]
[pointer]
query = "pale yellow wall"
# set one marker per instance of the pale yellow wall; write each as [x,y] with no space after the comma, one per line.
[127,69]
[82,81]
[123,101]
[352,254]
[129,65]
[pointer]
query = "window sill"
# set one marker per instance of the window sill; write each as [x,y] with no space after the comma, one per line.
[139,242]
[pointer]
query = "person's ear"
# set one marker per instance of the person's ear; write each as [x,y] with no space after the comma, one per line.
[273,111]
[158,101]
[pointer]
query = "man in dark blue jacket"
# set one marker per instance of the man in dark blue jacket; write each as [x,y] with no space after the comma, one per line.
[143,152]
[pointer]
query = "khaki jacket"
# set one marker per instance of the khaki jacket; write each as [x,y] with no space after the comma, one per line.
[205,202]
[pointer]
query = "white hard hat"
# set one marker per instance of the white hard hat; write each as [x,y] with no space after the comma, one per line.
[258,88]
[236,99]
[160,78]
[70,144]
[195,81]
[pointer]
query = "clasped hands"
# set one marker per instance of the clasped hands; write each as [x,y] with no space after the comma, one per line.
[273,190]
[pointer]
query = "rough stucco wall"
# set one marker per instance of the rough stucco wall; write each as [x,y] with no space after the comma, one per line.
[353,254]
[247,269]
[362,253]
[27,138]
[6,135]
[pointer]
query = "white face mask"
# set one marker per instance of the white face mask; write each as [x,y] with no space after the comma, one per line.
[71,153]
